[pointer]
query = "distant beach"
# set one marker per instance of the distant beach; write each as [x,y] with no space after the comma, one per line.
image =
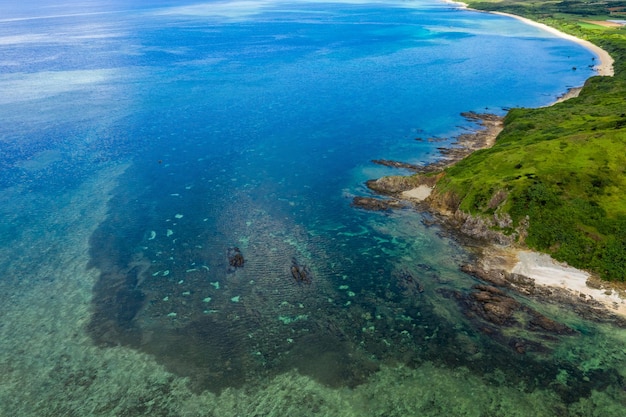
[604,67]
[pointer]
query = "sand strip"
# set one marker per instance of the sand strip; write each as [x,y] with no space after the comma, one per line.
[420,193]
[606,23]
[547,272]
[509,263]
[605,62]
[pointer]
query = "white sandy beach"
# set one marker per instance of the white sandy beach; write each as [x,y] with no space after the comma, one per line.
[420,193]
[605,62]
[604,66]
[547,272]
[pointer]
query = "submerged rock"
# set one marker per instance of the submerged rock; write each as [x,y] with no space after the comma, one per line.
[409,284]
[300,273]
[235,257]
[493,305]
[492,311]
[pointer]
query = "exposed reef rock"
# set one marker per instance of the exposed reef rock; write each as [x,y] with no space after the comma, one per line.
[491,125]
[491,304]
[397,164]
[464,144]
[395,185]
[375,204]
[494,305]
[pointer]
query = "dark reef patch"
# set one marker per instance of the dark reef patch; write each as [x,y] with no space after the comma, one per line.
[235,257]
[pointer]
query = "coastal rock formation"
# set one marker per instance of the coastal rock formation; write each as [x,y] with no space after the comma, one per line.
[483,228]
[493,305]
[494,268]
[397,164]
[464,144]
[501,278]
[492,311]
[375,204]
[394,185]
[480,228]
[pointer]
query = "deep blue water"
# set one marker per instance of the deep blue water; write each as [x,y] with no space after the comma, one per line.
[252,125]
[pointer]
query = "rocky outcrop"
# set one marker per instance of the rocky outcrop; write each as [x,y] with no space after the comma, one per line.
[392,185]
[495,306]
[492,304]
[375,204]
[396,184]
[482,228]
[492,311]
[397,164]
[493,267]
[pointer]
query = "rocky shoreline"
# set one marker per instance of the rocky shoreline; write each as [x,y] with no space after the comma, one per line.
[484,136]
[488,126]
[497,261]
[393,187]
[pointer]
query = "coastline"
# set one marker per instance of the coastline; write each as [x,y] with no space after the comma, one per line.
[554,279]
[547,272]
[538,274]
[547,276]
[530,272]
[604,66]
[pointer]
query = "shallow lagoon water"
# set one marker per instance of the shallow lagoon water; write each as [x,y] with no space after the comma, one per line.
[141,146]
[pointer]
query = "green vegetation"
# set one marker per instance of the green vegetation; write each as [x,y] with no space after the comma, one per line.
[558,172]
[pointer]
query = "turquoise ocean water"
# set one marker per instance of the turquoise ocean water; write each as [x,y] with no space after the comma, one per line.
[144,147]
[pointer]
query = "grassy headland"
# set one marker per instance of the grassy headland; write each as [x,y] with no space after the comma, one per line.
[556,177]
